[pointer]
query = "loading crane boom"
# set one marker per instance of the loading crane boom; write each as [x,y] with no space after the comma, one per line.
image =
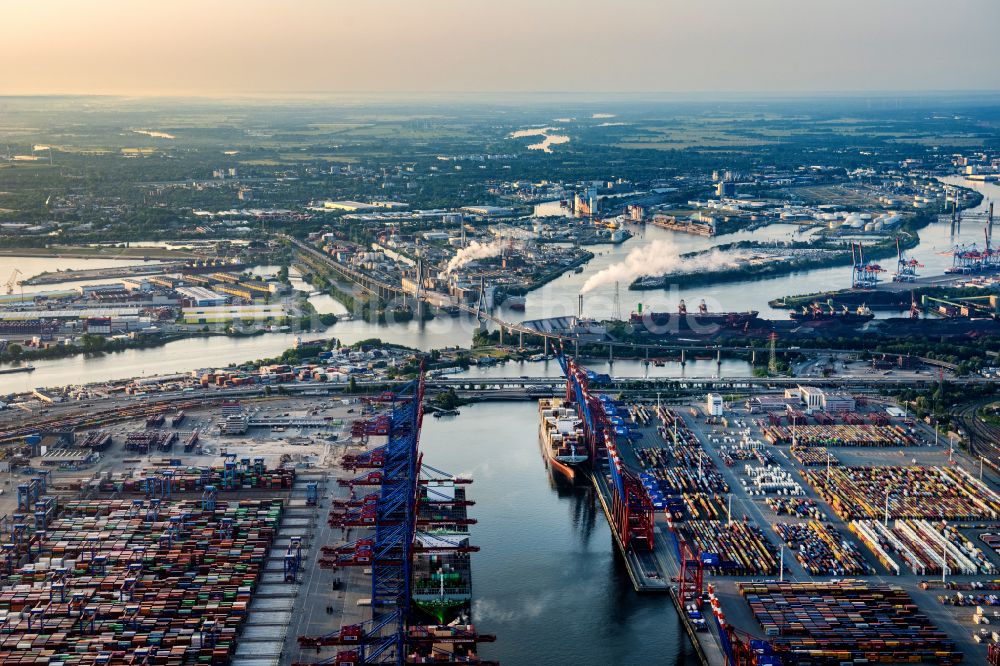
[408,497]
[12,281]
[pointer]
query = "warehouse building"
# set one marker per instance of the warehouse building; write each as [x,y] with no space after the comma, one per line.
[201,297]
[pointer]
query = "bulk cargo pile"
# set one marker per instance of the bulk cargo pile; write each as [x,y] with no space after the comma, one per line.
[122,581]
[845,622]
[907,492]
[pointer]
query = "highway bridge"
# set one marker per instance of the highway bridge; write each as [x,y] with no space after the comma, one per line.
[383,289]
[102,412]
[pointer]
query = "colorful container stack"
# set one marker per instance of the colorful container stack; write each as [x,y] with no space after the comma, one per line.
[745,451]
[671,477]
[681,464]
[801,507]
[114,580]
[96,440]
[821,551]
[741,548]
[700,506]
[194,479]
[923,546]
[144,441]
[913,492]
[845,622]
[814,456]
[840,435]
[992,540]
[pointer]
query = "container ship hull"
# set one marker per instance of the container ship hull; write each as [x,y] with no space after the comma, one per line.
[561,437]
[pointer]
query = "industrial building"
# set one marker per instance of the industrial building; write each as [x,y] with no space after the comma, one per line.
[201,296]
[820,400]
[713,404]
[229,313]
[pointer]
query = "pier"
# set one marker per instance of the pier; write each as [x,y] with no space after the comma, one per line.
[644,568]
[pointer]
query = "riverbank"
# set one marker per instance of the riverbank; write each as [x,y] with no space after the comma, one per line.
[885,247]
[97,345]
[832,255]
[897,300]
[552,275]
[86,252]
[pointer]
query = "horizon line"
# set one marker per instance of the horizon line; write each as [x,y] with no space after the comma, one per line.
[463,93]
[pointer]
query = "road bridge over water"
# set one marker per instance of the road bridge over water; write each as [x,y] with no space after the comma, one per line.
[647,351]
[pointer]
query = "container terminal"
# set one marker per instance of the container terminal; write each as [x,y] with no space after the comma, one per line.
[414,545]
[789,534]
[706,500]
[174,537]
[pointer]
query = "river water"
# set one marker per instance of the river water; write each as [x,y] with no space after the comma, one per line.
[557,298]
[548,581]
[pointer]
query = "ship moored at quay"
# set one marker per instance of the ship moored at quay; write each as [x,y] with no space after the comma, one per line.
[684,514]
[172,561]
[562,437]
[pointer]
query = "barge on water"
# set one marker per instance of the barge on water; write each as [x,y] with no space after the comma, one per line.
[702,322]
[18,368]
[684,226]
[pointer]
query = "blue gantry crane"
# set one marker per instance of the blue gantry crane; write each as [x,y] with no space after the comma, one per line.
[393,471]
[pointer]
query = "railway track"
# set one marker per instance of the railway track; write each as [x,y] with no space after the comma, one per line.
[984,439]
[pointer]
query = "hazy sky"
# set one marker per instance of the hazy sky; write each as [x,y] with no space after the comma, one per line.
[219,47]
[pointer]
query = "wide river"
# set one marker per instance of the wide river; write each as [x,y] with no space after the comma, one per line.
[559,297]
[549,581]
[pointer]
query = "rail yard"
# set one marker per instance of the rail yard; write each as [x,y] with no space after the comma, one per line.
[217,531]
[722,504]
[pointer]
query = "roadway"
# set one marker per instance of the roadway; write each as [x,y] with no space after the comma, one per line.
[380,287]
[102,411]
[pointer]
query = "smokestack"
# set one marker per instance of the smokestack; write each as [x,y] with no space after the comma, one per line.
[579,311]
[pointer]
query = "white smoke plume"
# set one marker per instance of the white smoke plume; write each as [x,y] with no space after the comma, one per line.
[475,250]
[659,258]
